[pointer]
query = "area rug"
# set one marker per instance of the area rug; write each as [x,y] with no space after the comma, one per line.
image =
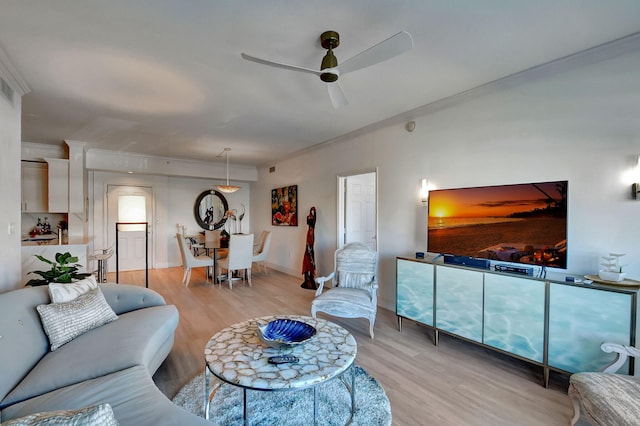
[292,408]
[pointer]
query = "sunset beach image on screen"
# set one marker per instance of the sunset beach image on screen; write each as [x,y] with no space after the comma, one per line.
[521,223]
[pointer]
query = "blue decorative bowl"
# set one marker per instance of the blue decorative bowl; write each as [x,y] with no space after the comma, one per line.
[281,333]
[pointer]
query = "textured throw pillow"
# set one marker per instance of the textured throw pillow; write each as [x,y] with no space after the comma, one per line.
[64,322]
[67,292]
[96,415]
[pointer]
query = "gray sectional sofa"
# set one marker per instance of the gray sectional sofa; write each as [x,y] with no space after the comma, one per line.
[112,364]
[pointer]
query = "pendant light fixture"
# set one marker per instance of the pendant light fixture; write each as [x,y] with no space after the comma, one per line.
[228,189]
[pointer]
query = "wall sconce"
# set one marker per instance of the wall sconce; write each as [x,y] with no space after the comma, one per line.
[635,186]
[424,192]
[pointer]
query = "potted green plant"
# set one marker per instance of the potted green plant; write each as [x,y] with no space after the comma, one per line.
[63,270]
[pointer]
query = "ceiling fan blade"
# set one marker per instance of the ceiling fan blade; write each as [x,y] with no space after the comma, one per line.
[279,65]
[387,49]
[336,94]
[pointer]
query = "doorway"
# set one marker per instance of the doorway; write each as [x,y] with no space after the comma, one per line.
[131,242]
[358,209]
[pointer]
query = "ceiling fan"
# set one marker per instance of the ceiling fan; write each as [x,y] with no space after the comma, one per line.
[329,68]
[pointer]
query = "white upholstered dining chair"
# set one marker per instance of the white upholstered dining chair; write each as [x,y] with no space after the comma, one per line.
[190,261]
[355,285]
[262,251]
[239,257]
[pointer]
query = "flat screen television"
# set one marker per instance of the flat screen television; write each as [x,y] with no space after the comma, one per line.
[520,223]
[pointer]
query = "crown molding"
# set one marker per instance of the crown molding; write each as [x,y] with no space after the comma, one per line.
[11,74]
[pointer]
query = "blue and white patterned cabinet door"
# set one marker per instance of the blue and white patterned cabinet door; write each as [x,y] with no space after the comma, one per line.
[459,302]
[514,315]
[414,291]
[580,320]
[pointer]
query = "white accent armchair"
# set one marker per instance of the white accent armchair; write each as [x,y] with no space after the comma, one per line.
[355,285]
[607,398]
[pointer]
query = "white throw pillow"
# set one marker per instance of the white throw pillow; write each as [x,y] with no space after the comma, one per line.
[61,292]
[96,415]
[63,322]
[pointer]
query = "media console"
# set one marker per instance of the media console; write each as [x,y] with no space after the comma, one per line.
[555,324]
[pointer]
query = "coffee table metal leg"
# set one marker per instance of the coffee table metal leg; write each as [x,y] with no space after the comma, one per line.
[208,395]
[351,388]
[244,407]
[315,404]
[353,391]
[207,401]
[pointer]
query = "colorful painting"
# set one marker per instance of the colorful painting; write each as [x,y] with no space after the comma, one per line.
[284,206]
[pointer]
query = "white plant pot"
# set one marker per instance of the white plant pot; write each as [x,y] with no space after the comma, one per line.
[612,276]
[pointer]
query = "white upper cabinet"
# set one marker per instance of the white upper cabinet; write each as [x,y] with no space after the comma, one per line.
[34,187]
[58,185]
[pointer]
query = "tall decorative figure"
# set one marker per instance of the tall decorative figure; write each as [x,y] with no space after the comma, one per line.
[309,263]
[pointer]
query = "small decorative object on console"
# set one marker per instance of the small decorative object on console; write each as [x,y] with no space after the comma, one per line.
[281,333]
[612,269]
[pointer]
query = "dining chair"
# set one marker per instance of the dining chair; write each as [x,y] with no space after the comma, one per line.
[239,257]
[260,256]
[212,246]
[195,244]
[190,261]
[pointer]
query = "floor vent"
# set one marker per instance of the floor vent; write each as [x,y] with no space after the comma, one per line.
[6,90]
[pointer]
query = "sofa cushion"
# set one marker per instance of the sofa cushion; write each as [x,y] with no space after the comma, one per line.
[143,337]
[131,393]
[23,341]
[64,322]
[126,298]
[96,415]
[61,292]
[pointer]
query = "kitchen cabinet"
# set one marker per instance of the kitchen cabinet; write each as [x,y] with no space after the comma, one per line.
[58,185]
[34,187]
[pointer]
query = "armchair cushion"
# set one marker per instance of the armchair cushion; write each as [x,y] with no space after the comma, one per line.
[345,302]
[354,280]
[610,399]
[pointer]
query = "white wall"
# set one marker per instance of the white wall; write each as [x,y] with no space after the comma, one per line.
[577,121]
[174,199]
[10,257]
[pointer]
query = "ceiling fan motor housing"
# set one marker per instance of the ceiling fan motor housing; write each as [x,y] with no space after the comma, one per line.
[329,40]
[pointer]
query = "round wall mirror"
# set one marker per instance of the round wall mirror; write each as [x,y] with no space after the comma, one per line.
[210,209]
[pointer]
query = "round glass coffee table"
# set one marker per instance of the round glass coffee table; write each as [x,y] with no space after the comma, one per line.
[237,356]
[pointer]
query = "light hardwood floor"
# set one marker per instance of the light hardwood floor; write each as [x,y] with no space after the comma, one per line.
[454,383]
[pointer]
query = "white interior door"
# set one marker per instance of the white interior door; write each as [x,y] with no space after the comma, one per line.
[131,242]
[358,209]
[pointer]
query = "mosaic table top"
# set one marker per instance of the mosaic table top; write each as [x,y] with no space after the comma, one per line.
[237,356]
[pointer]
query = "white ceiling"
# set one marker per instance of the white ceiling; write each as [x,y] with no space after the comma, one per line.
[165,77]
